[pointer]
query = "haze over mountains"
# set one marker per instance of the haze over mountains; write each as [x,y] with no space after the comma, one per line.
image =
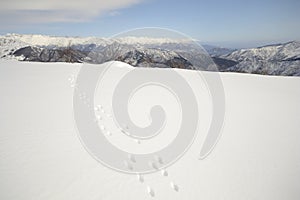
[278,59]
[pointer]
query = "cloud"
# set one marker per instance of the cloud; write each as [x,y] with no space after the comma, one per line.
[114,13]
[39,11]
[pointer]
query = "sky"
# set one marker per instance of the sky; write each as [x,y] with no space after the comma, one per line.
[229,23]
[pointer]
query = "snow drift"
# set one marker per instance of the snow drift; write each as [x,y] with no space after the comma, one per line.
[41,156]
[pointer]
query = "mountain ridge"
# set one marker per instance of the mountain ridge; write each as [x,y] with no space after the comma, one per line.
[274,59]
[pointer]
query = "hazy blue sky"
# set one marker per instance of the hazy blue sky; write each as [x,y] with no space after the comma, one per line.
[224,22]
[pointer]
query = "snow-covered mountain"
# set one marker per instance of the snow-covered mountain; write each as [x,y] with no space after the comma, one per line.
[44,40]
[279,59]
[137,51]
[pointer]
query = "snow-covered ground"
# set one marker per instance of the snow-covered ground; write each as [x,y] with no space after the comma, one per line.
[41,156]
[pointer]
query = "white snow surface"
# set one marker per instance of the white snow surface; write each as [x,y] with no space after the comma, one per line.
[41,156]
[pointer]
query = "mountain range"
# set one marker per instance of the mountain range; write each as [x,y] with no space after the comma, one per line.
[277,59]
